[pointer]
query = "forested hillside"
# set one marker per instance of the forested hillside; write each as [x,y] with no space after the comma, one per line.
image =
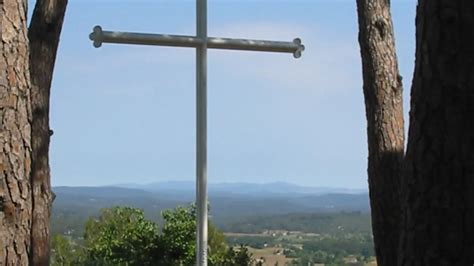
[297,226]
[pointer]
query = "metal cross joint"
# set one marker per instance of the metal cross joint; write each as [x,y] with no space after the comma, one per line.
[100,36]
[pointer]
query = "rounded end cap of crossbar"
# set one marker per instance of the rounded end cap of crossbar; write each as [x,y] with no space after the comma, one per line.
[300,49]
[96,36]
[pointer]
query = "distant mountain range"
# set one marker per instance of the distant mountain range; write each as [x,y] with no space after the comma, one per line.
[229,202]
[226,199]
[242,188]
[232,205]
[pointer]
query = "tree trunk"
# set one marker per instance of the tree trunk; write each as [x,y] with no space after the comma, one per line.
[15,117]
[44,32]
[384,112]
[438,184]
[25,191]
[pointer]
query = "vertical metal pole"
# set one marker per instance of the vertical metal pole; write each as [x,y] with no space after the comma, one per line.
[201,133]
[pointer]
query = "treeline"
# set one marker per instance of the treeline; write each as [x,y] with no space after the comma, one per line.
[333,251]
[72,222]
[319,223]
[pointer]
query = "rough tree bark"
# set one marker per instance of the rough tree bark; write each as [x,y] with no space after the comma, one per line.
[438,183]
[26,69]
[385,128]
[44,32]
[15,130]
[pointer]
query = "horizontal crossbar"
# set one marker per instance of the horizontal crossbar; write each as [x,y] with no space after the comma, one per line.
[99,36]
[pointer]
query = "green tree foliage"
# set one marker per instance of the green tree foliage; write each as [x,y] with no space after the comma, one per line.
[178,237]
[122,236]
[243,256]
[217,245]
[63,252]
[232,257]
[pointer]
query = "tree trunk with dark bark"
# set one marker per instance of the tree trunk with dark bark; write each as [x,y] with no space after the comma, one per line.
[438,184]
[45,29]
[385,129]
[44,32]
[26,69]
[15,131]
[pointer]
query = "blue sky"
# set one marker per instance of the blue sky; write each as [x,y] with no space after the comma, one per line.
[125,114]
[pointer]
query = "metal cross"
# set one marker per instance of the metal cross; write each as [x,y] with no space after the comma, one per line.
[201,42]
